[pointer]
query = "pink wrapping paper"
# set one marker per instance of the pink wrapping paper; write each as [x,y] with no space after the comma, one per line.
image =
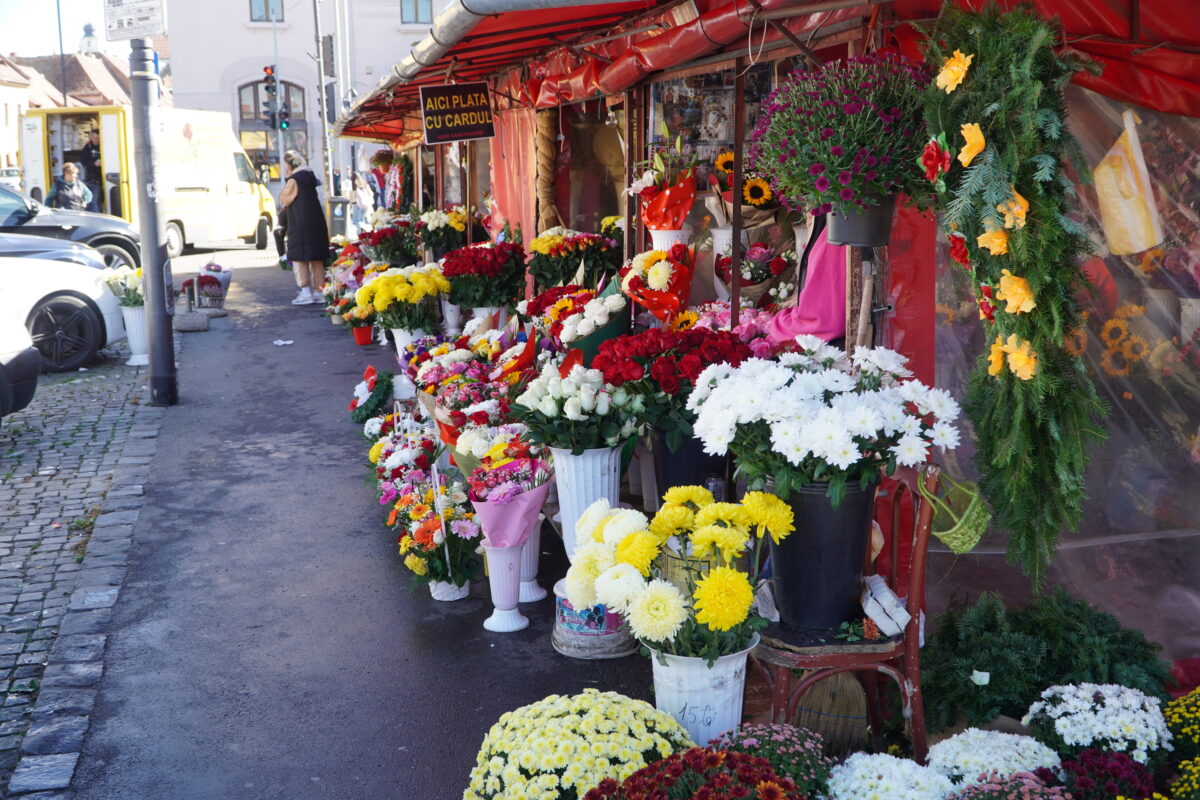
[509,524]
[821,308]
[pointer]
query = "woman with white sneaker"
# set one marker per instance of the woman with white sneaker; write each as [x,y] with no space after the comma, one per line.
[307,234]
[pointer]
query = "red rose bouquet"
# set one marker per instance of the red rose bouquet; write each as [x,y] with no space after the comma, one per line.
[662,366]
[484,275]
[398,243]
[550,309]
[701,772]
[659,280]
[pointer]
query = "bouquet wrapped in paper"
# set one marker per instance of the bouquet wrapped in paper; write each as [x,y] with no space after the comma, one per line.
[666,190]
[660,281]
[508,495]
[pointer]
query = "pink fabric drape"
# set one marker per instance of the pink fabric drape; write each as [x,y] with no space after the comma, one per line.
[514,167]
[821,308]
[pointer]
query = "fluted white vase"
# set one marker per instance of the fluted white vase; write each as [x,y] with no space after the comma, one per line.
[504,580]
[135,333]
[663,240]
[403,337]
[531,555]
[451,317]
[582,480]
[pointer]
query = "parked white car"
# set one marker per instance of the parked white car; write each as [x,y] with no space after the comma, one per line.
[20,364]
[67,309]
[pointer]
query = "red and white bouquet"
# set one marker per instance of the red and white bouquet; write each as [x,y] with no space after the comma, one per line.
[659,280]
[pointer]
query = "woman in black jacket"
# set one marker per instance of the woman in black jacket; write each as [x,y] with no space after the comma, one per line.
[307,234]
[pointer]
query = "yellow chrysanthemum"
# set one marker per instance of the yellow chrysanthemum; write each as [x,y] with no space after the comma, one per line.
[638,550]
[364,295]
[724,162]
[406,543]
[729,514]
[1015,291]
[658,276]
[671,519]
[767,511]
[996,358]
[657,613]
[1022,358]
[417,564]
[376,450]
[1014,210]
[711,539]
[995,240]
[953,71]
[757,192]
[695,496]
[973,143]
[722,598]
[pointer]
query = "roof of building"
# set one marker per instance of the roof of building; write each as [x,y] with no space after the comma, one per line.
[97,80]
[11,74]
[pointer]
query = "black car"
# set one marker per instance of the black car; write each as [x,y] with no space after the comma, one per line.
[23,245]
[115,238]
[20,364]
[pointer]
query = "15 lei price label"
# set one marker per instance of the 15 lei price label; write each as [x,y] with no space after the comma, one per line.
[696,715]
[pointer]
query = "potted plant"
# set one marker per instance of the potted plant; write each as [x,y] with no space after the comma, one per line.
[818,427]
[443,231]
[686,586]
[584,422]
[561,256]
[126,284]
[661,366]
[701,772]
[487,278]
[666,191]
[404,301]
[844,138]
[361,321]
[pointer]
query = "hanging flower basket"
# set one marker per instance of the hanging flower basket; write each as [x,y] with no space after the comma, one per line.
[960,517]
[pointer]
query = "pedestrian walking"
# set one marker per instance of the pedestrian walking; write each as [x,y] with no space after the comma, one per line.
[69,191]
[364,202]
[307,233]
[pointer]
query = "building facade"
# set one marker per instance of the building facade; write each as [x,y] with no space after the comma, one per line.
[219,65]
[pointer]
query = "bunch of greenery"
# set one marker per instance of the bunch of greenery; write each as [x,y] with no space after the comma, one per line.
[985,660]
[997,105]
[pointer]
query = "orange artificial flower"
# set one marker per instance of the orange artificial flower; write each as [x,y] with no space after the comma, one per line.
[1022,359]
[953,71]
[973,136]
[996,358]
[1014,210]
[995,241]
[1016,292]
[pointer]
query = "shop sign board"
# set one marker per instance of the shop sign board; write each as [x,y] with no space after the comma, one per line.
[457,112]
[133,19]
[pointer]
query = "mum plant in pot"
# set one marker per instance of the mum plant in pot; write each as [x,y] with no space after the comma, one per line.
[662,366]
[405,301]
[486,278]
[845,137]
[685,585]
[585,422]
[361,321]
[126,283]
[817,427]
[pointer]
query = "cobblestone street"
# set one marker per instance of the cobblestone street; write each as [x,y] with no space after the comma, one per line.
[79,451]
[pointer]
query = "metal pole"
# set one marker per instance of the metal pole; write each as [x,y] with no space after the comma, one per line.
[739,135]
[279,93]
[629,208]
[469,191]
[62,56]
[326,153]
[164,389]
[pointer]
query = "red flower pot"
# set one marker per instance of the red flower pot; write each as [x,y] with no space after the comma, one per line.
[362,335]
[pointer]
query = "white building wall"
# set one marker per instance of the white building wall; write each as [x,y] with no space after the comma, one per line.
[13,102]
[215,49]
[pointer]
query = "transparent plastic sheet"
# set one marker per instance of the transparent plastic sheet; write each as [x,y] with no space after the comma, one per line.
[1137,553]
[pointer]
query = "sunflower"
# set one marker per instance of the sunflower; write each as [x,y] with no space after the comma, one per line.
[757,192]
[1114,363]
[1134,348]
[1076,342]
[1114,331]
[724,162]
[683,321]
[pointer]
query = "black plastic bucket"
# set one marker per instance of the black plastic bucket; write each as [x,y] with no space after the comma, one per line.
[871,227]
[687,466]
[817,570]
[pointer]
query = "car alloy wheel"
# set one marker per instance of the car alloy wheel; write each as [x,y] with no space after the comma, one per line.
[66,331]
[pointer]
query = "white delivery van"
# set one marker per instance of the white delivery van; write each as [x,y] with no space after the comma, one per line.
[208,192]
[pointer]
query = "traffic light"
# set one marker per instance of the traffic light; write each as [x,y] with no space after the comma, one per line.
[285,117]
[268,113]
[272,82]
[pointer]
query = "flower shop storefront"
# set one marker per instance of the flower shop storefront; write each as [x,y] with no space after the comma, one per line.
[1018,232]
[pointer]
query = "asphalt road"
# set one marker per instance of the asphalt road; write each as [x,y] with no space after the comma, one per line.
[266,643]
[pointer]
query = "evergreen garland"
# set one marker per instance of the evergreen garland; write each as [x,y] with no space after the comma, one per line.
[377,401]
[1033,405]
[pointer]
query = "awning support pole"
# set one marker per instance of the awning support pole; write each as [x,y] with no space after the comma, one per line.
[630,202]
[739,140]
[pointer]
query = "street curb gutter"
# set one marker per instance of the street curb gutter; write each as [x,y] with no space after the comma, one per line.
[62,712]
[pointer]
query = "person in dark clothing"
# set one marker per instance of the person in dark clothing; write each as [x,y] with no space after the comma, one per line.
[307,233]
[89,158]
[68,191]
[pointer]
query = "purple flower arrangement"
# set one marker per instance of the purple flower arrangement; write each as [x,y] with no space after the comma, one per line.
[1097,774]
[841,136]
[793,752]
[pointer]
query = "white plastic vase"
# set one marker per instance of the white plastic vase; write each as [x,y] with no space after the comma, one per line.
[581,481]
[404,337]
[504,580]
[706,701]
[447,592]
[135,333]
[801,232]
[481,312]
[722,240]
[531,554]
[662,240]
[451,317]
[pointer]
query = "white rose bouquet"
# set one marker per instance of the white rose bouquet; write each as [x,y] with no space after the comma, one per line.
[818,415]
[598,312]
[126,283]
[577,412]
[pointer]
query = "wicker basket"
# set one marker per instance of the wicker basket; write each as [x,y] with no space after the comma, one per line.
[961,516]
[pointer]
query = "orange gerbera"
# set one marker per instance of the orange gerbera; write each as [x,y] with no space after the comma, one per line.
[425,531]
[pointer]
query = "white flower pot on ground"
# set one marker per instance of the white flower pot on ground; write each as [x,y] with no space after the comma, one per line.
[504,580]
[706,701]
[135,334]
[223,277]
[451,317]
[448,592]
[404,337]
[663,240]
[531,554]
[581,481]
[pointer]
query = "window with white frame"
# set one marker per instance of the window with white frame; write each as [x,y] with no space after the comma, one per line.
[416,12]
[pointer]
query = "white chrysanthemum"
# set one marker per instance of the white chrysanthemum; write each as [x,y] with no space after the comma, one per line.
[658,277]
[944,435]
[590,560]
[372,427]
[967,755]
[592,516]
[910,450]
[1107,716]
[866,776]
[656,614]
[619,524]
[618,586]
